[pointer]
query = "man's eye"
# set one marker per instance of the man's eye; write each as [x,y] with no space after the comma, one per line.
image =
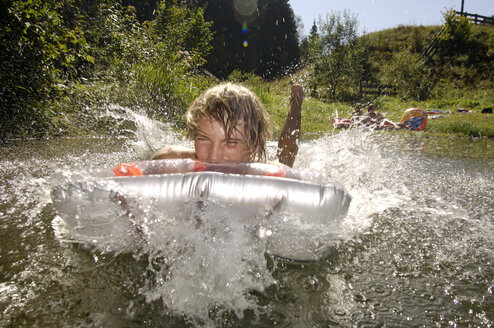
[232,143]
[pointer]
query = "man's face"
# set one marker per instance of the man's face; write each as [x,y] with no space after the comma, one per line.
[212,145]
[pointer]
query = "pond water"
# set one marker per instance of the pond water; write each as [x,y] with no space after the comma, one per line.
[416,248]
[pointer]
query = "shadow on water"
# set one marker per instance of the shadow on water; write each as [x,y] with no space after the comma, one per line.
[416,248]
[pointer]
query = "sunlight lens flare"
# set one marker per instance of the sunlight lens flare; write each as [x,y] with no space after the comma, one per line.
[245,10]
[245,7]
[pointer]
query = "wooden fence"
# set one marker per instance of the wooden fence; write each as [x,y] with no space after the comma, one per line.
[431,49]
[371,88]
[476,18]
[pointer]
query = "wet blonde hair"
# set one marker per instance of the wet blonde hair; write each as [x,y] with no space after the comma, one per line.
[229,103]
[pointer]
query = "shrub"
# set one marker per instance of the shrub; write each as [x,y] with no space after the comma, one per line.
[40,50]
[337,56]
[409,75]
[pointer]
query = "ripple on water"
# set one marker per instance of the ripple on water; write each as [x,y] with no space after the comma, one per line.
[417,248]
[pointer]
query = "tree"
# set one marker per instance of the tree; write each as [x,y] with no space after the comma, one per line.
[411,78]
[463,49]
[336,54]
[263,42]
[315,45]
[115,37]
[456,35]
[277,38]
[182,29]
[40,49]
[145,9]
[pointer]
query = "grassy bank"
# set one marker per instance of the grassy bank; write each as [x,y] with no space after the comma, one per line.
[317,115]
[82,106]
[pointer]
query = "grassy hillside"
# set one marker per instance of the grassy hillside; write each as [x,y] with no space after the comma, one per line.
[461,84]
[317,115]
[383,44]
[451,93]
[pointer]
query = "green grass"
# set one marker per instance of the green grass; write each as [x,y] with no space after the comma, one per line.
[469,124]
[317,115]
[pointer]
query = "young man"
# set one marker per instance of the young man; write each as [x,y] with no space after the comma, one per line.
[228,122]
[378,122]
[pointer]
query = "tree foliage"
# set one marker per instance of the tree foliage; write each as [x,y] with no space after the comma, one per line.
[410,76]
[50,45]
[116,39]
[464,52]
[337,55]
[277,38]
[40,50]
[456,34]
[263,42]
[181,29]
[144,9]
[458,40]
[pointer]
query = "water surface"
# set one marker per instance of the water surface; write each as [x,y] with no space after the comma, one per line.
[416,248]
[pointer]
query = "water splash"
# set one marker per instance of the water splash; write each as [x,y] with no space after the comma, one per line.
[209,261]
[149,135]
[359,159]
[203,259]
[418,233]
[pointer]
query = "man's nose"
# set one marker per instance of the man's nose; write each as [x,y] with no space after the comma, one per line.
[215,152]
